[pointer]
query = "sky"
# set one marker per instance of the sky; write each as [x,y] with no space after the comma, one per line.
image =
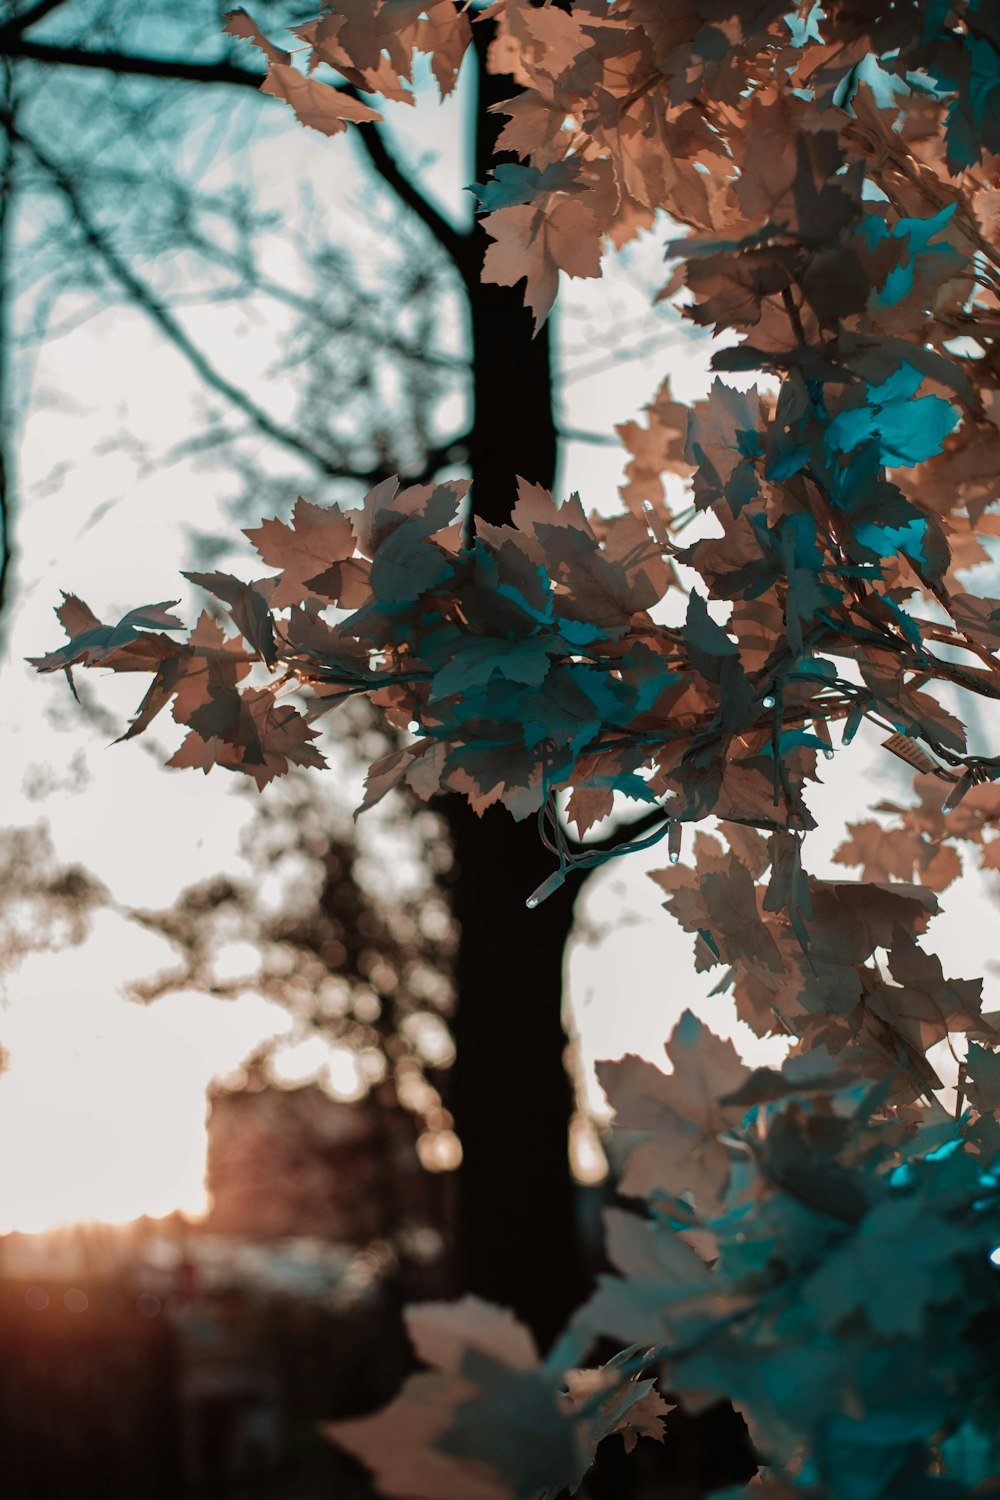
[102,1106]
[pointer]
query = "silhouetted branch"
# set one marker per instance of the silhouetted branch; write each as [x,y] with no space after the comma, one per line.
[145,298]
[27,18]
[455,244]
[579,435]
[6,197]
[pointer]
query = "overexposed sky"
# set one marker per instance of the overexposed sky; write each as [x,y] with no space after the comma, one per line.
[102,1107]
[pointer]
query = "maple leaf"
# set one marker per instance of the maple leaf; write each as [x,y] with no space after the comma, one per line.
[633,1409]
[678,1112]
[487,1395]
[126,646]
[317,105]
[198,754]
[898,853]
[239,24]
[982,1078]
[534,245]
[890,1270]
[311,551]
[445,33]
[512,184]
[657,448]
[399,1445]
[248,605]
[75,617]
[723,444]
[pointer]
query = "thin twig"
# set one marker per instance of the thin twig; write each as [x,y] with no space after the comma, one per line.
[457,245]
[145,298]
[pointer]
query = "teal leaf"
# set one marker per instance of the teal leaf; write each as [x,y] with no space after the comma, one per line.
[526,661]
[512,183]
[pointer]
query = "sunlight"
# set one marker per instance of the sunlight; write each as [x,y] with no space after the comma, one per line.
[103,1102]
[104,1122]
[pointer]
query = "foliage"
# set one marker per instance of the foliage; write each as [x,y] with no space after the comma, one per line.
[819,1242]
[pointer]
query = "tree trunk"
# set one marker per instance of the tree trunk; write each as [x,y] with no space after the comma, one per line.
[512,1097]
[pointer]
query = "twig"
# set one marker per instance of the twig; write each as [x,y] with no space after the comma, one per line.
[145,298]
[456,244]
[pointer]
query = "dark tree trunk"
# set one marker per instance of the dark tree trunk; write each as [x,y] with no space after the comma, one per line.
[512,1098]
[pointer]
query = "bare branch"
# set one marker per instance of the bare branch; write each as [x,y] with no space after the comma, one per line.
[30,17]
[457,245]
[145,298]
[412,353]
[6,200]
[128,64]
[579,435]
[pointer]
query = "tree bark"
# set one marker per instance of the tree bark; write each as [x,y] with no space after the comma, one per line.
[512,1097]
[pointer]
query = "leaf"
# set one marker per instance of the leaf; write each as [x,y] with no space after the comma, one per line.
[534,246]
[723,443]
[982,1078]
[511,184]
[527,661]
[441,1332]
[678,1112]
[198,754]
[319,539]
[657,449]
[635,1410]
[75,617]
[125,645]
[731,904]
[399,1444]
[239,24]
[445,33]
[317,105]
[248,605]
[907,430]
[518,1423]
[407,564]
[890,1271]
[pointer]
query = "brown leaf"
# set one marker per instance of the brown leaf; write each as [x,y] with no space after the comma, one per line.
[317,105]
[319,537]
[239,24]
[534,245]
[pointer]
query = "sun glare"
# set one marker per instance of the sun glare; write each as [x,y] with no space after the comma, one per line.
[101,1120]
[103,1102]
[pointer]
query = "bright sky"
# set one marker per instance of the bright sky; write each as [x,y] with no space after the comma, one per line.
[102,1108]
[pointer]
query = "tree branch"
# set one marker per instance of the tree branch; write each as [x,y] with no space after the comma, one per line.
[300,302]
[6,200]
[579,435]
[144,298]
[457,245]
[30,17]
[222,71]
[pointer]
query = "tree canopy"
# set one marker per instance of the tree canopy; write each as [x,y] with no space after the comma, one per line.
[820,1242]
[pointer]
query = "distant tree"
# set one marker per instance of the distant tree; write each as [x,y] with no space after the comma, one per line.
[45,904]
[363,966]
[364,970]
